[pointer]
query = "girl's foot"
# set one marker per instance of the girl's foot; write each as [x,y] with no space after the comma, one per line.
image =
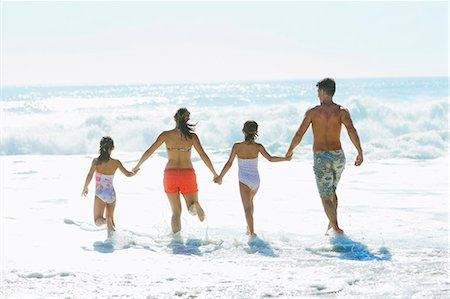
[100,221]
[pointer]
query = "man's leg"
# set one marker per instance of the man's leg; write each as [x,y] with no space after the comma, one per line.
[331,211]
[335,202]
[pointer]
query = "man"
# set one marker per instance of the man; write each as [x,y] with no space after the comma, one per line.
[329,160]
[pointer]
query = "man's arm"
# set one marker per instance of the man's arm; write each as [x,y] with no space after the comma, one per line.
[300,132]
[348,123]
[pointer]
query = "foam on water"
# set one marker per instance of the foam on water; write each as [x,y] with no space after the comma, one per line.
[398,118]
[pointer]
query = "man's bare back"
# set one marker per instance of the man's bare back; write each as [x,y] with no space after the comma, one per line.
[326,127]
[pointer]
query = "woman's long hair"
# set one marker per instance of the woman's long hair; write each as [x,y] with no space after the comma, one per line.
[182,118]
[106,146]
[250,129]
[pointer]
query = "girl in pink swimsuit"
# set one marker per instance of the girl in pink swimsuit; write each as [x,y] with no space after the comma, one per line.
[105,196]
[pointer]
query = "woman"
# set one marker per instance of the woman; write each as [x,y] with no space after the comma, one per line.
[179,174]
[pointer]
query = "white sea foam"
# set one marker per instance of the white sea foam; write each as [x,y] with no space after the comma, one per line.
[394,213]
[72,120]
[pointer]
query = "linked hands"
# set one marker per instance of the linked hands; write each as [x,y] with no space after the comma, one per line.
[218,180]
[289,155]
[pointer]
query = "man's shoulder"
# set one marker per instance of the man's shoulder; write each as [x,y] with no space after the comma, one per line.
[313,109]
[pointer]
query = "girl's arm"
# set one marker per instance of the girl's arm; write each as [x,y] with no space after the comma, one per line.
[266,155]
[89,178]
[161,138]
[124,171]
[198,147]
[227,165]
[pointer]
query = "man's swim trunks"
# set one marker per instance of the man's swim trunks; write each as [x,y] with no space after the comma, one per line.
[180,180]
[104,187]
[328,167]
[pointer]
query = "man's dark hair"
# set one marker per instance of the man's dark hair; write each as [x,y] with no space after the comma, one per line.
[328,85]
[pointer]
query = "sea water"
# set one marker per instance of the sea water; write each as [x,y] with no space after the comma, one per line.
[393,208]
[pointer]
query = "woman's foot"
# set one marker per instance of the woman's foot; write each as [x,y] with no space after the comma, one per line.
[192,210]
[199,210]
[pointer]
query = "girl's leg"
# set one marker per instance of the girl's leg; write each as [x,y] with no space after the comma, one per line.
[99,211]
[192,199]
[174,199]
[247,201]
[110,217]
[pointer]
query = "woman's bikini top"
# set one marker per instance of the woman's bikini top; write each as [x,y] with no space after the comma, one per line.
[179,149]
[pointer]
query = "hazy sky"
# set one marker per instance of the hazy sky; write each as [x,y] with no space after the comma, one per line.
[155,42]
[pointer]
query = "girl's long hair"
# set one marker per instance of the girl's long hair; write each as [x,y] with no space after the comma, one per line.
[250,129]
[106,146]
[182,118]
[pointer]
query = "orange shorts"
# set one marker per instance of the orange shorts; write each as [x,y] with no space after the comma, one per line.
[180,180]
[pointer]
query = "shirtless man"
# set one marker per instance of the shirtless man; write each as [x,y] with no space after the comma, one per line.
[329,159]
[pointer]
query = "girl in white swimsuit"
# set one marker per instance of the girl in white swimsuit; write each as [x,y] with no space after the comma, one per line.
[104,168]
[247,153]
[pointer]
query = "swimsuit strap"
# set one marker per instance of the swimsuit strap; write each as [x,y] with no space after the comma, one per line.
[179,149]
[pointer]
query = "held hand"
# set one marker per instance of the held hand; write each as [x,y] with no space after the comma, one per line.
[288,158]
[289,154]
[135,169]
[218,180]
[359,160]
[85,192]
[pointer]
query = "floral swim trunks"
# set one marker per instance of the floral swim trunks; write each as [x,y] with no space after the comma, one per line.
[328,167]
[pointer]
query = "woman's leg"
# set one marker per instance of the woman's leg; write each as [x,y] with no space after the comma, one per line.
[192,199]
[99,211]
[174,199]
[247,201]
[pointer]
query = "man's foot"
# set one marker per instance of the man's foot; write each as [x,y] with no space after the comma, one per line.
[339,231]
[328,228]
[200,212]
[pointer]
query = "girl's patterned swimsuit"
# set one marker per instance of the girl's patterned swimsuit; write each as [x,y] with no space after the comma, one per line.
[104,187]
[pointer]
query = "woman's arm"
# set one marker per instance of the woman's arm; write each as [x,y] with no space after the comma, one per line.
[271,158]
[89,178]
[227,165]
[198,147]
[161,138]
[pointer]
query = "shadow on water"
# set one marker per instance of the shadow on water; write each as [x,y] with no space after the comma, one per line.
[257,245]
[190,247]
[119,241]
[352,250]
